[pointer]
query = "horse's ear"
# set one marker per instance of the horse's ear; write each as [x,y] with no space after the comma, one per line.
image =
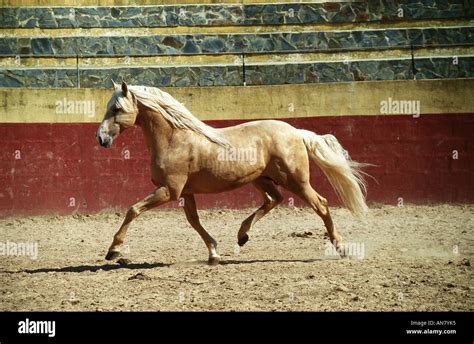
[124,89]
[114,85]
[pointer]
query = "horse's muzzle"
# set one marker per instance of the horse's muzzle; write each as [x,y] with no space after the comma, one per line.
[105,142]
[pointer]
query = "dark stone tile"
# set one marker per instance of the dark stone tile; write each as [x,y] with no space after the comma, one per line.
[9,17]
[66,47]
[243,43]
[284,43]
[12,78]
[156,17]
[47,18]
[252,11]
[9,46]
[87,17]
[26,15]
[213,45]
[437,68]
[344,15]
[190,47]
[41,46]
[130,12]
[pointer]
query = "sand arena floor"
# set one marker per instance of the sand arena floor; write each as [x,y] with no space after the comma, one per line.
[414,258]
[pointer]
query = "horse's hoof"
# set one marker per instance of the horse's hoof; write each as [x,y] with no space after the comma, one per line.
[111,255]
[341,250]
[242,240]
[214,260]
[124,261]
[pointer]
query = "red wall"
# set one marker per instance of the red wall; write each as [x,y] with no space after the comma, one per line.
[414,158]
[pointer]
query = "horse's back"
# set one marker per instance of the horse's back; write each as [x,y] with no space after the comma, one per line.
[269,131]
[261,124]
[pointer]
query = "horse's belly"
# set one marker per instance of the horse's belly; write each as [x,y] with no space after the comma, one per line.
[211,182]
[216,188]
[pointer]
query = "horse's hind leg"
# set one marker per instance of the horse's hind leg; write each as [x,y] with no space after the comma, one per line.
[271,197]
[320,206]
[160,196]
[193,219]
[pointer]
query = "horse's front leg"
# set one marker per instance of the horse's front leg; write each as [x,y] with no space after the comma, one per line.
[159,196]
[193,219]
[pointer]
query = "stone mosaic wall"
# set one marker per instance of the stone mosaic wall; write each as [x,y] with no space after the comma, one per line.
[425,68]
[237,43]
[225,14]
[285,41]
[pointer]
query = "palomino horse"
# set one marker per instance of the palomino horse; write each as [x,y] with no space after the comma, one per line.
[189,157]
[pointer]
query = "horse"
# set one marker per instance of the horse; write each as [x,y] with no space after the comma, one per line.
[190,157]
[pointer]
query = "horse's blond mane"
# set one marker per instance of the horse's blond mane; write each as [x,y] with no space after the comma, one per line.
[177,115]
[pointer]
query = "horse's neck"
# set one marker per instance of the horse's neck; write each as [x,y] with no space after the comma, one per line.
[156,130]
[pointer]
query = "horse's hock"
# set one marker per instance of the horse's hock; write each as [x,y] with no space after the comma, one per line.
[392,80]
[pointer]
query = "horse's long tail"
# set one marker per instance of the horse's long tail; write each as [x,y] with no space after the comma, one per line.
[344,174]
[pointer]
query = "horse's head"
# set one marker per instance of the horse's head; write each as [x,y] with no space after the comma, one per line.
[121,113]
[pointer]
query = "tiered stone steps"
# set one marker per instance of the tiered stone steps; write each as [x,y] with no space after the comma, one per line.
[235,44]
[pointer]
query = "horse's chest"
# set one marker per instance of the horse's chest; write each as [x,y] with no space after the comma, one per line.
[163,168]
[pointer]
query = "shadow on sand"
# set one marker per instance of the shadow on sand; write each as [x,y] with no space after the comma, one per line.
[139,266]
[255,261]
[94,268]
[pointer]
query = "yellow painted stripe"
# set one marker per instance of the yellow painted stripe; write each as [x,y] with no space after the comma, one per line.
[209,60]
[122,62]
[251,102]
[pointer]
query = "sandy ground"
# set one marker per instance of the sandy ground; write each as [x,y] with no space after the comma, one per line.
[409,258]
